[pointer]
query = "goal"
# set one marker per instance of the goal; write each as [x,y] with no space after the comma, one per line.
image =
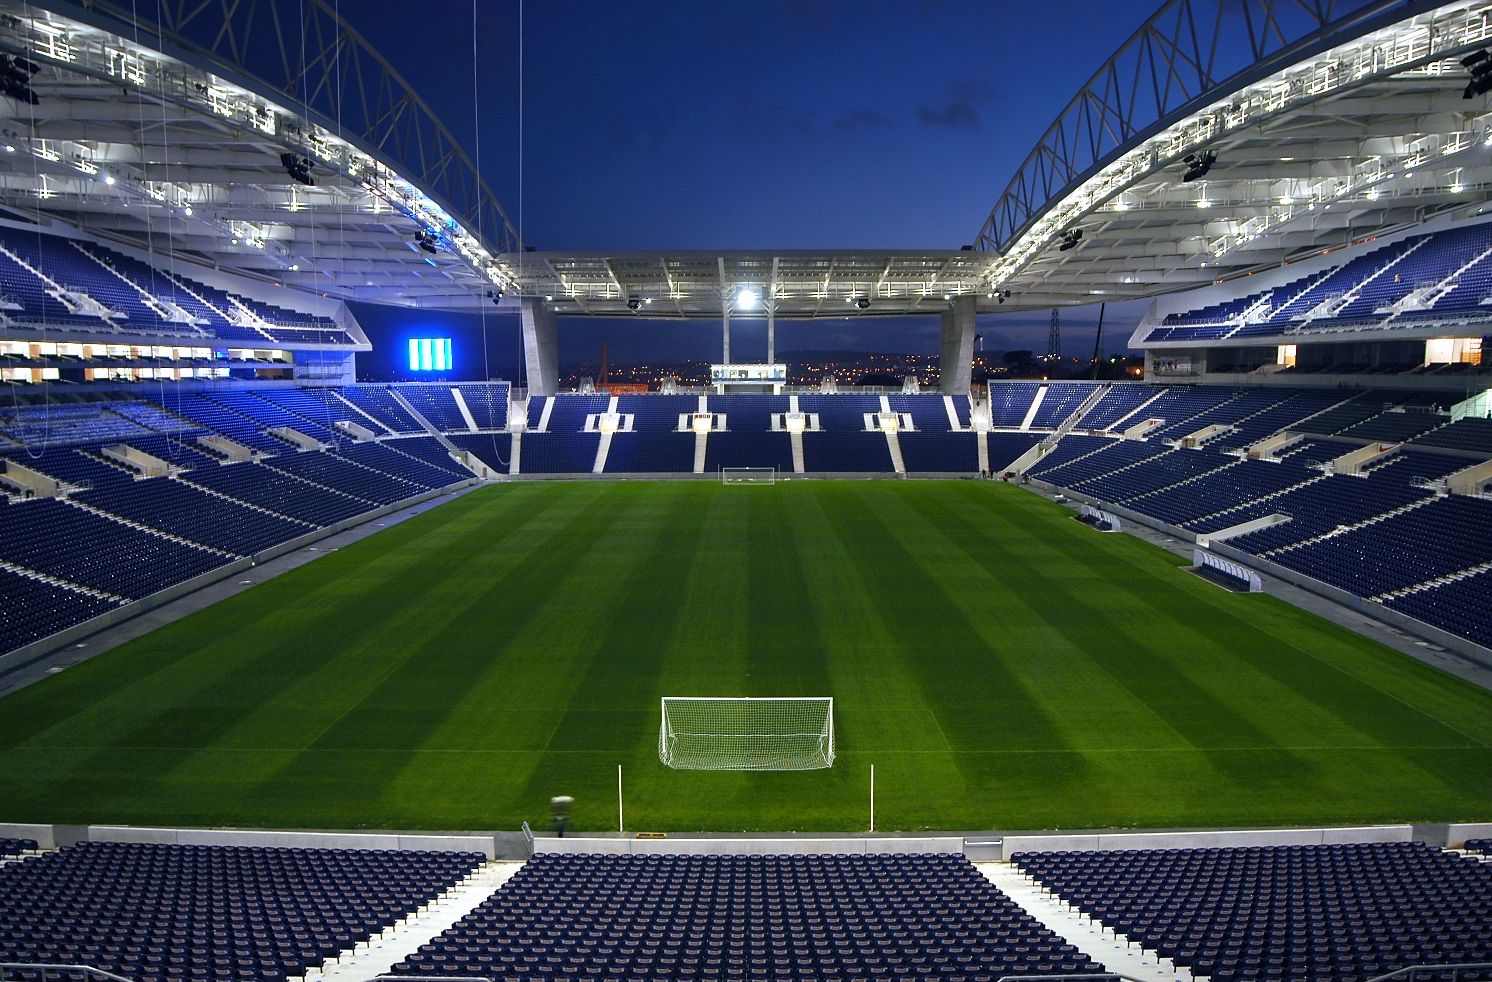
[748,475]
[743,734]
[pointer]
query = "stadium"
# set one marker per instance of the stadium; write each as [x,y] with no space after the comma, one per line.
[308,673]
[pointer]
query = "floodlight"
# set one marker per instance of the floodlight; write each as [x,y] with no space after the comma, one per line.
[747,298]
[862,303]
[633,303]
[427,241]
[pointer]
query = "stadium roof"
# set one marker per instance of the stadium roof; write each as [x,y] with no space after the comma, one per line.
[166,125]
[799,284]
[1338,121]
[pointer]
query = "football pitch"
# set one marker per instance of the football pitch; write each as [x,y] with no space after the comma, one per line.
[1001,665]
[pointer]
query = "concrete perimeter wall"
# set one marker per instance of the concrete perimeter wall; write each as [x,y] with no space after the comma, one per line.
[865,845]
[1204,839]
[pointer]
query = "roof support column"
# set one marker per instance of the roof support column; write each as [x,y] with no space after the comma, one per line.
[771,332]
[955,364]
[540,347]
[725,340]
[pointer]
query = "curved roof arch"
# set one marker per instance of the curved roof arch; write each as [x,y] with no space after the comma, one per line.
[197,129]
[328,72]
[1187,55]
[1357,128]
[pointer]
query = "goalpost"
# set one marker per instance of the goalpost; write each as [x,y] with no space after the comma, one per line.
[747,734]
[748,475]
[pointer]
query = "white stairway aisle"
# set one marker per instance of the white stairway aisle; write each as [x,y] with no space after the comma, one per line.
[384,951]
[1117,953]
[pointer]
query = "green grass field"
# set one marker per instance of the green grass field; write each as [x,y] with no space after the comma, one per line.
[1001,665]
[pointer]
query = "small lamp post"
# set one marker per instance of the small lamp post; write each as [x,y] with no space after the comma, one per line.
[560,805]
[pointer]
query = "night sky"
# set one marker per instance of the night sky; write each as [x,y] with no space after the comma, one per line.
[764,125]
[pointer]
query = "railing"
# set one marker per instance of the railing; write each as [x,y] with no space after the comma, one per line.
[8,968]
[1474,970]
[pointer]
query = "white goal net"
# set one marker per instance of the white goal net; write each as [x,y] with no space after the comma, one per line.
[741,734]
[748,475]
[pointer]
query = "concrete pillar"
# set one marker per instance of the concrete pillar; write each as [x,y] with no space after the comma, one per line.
[725,340]
[955,365]
[771,332]
[540,347]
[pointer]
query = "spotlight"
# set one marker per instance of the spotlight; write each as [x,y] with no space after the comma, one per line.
[495,295]
[1479,64]
[1197,165]
[862,303]
[427,241]
[633,303]
[1070,239]
[299,168]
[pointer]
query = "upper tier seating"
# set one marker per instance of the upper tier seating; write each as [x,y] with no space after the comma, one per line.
[689,918]
[1338,913]
[1444,275]
[138,296]
[168,913]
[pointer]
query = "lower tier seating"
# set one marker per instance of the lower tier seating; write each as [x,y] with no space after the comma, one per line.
[702,918]
[1338,913]
[154,913]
